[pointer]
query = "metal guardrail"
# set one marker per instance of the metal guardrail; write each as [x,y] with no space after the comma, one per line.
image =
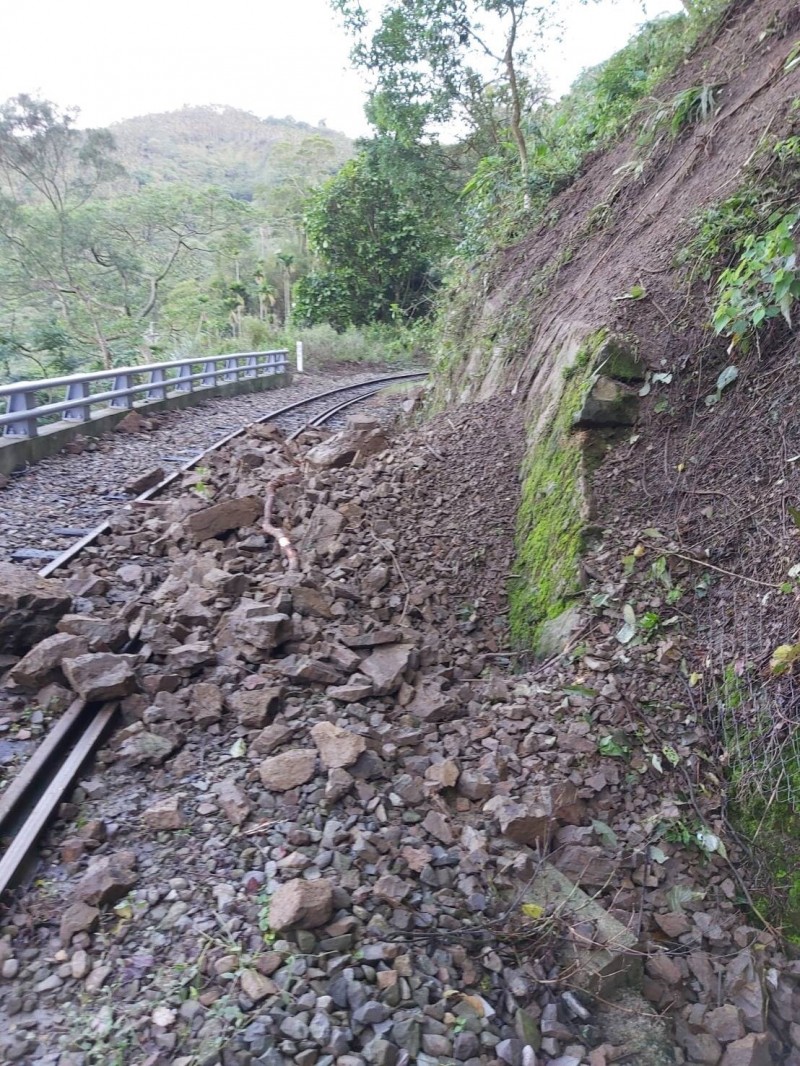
[23,409]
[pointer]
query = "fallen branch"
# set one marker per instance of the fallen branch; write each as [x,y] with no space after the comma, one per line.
[285,545]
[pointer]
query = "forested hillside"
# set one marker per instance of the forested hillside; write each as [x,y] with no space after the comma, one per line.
[248,156]
[171,234]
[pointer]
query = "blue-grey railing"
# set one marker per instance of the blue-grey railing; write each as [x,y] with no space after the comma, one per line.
[152,381]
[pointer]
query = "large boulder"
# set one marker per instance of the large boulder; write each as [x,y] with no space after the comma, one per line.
[100,676]
[30,608]
[222,517]
[43,663]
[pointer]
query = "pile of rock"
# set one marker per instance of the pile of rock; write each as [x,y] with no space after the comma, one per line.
[331,810]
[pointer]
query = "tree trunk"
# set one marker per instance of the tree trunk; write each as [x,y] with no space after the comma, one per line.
[516,113]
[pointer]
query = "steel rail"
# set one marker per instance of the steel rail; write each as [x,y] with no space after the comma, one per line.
[23,788]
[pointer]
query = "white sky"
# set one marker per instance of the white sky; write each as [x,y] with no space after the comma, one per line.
[271,57]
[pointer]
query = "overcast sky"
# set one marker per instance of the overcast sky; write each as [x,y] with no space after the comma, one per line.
[272,57]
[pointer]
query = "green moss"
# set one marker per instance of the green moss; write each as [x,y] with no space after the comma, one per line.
[550,524]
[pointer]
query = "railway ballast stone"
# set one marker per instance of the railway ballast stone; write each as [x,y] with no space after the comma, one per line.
[30,608]
[100,676]
[43,662]
[301,904]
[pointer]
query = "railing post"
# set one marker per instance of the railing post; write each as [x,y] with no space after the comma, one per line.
[209,373]
[78,390]
[180,384]
[25,427]
[122,382]
[230,368]
[157,378]
[251,362]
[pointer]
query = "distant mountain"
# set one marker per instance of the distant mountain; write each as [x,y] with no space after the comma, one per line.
[225,146]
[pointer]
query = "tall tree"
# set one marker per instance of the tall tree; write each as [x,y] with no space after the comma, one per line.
[376,248]
[435,61]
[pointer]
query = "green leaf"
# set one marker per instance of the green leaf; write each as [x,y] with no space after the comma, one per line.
[615,746]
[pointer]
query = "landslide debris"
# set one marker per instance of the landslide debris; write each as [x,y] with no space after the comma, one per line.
[319,834]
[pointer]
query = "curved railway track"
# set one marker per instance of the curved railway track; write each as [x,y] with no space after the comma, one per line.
[28,803]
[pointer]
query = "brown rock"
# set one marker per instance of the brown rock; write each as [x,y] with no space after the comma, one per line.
[100,676]
[322,532]
[144,482]
[132,423]
[301,905]
[662,968]
[270,738]
[349,447]
[292,768]
[206,703]
[751,1050]
[165,814]
[256,624]
[256,986]
[255,708]
[106,881]
[187,658]
[586,866]
[673,923]
[306,668]
[337,747]
[442,774]
[353,691]
[702,1047]
[143,748]
[30,608]
[43,663]
[386,666]
[474,785]
[391,889]
[310,601]
[338,784]
[534,819]
[77,918]
[724,1023]
[103,634]
[222,517]
[436,824]
[430,704]
[234,802]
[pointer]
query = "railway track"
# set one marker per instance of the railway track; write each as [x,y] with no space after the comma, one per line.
[29,801]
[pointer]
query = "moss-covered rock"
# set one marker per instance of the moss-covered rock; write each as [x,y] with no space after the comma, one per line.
[550,521]
[555,509]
